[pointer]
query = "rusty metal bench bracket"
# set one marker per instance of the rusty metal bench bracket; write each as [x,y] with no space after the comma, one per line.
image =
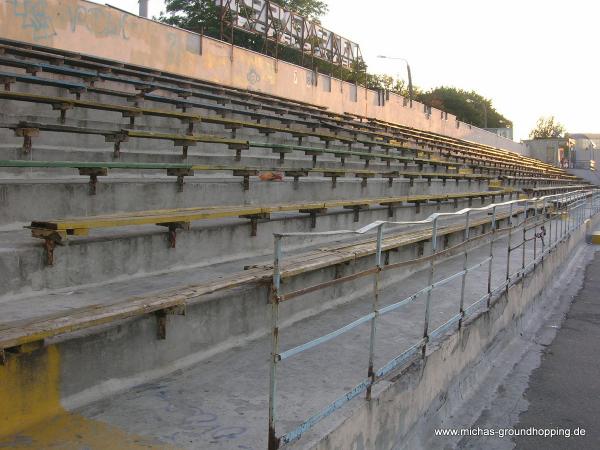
[356,209]
[63,108]
[254,218]
[180,174]
[93,173]
[246,174]
[173,227]
[51,239]
[116,138]
[313,215]
[161,319]
[27,134]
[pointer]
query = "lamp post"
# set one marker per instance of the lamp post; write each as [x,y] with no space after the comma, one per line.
[410,85]
[143,8]
[484,106]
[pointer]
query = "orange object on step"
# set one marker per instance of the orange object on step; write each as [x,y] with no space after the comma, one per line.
[271,176]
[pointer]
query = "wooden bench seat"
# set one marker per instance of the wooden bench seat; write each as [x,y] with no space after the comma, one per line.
[57,231]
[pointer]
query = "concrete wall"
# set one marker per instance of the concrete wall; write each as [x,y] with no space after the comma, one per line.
[395,418]
[89,28]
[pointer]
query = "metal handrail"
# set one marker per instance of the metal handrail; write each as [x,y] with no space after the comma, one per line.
[578,205]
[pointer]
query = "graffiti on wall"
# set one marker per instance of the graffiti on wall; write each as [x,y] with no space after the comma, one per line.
[34,16]
[253,76]
[174,46]
[101,21]
[43,17]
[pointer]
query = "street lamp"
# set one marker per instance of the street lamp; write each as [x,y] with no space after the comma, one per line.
[484,106]
[410,85]
[143,8]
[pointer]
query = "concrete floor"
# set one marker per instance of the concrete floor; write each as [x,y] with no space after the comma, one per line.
[564,392]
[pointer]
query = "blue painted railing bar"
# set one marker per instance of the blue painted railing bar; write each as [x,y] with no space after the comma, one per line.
[443,328]
[337,404]
[400,359]
[321,340]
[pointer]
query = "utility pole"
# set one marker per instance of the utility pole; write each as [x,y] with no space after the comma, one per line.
[484,115]
[143,8]
[410,85]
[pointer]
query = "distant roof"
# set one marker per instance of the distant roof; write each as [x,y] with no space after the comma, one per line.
[585,135]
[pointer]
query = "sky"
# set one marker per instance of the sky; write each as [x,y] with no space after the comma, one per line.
[532,58]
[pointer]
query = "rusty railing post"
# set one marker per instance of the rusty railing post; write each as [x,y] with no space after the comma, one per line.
[489,286]
[371,371]
[558,217]
[571,220]
[535,222]
[465,266]
[563,217]
[430,284]
[524,234]
[273,443]
[543,238]
[508,250]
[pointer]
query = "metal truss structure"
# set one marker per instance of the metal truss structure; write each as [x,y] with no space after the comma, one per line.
[287,28]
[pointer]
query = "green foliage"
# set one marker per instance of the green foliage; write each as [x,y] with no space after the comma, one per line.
[194,15]
[467,106]
[311,9]
[547,127]
[198,15]
[389,83]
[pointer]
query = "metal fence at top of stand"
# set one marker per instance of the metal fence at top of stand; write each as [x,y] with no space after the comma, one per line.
[547,221]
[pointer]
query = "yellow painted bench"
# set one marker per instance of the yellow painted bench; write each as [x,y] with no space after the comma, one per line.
[57,231]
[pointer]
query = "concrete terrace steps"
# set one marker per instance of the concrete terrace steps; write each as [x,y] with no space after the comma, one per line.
[129,112]
[389,173]
[45,197]
[110,254]
[147,83]
[218,277]
[220,91]
[247,146]
[274,148]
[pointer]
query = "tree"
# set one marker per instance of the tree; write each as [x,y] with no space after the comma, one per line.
[389,83]
[311,9]
[203,15]
[547,127]
[467,106]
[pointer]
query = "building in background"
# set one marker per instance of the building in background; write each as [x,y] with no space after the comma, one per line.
[556,151]
[586,150]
